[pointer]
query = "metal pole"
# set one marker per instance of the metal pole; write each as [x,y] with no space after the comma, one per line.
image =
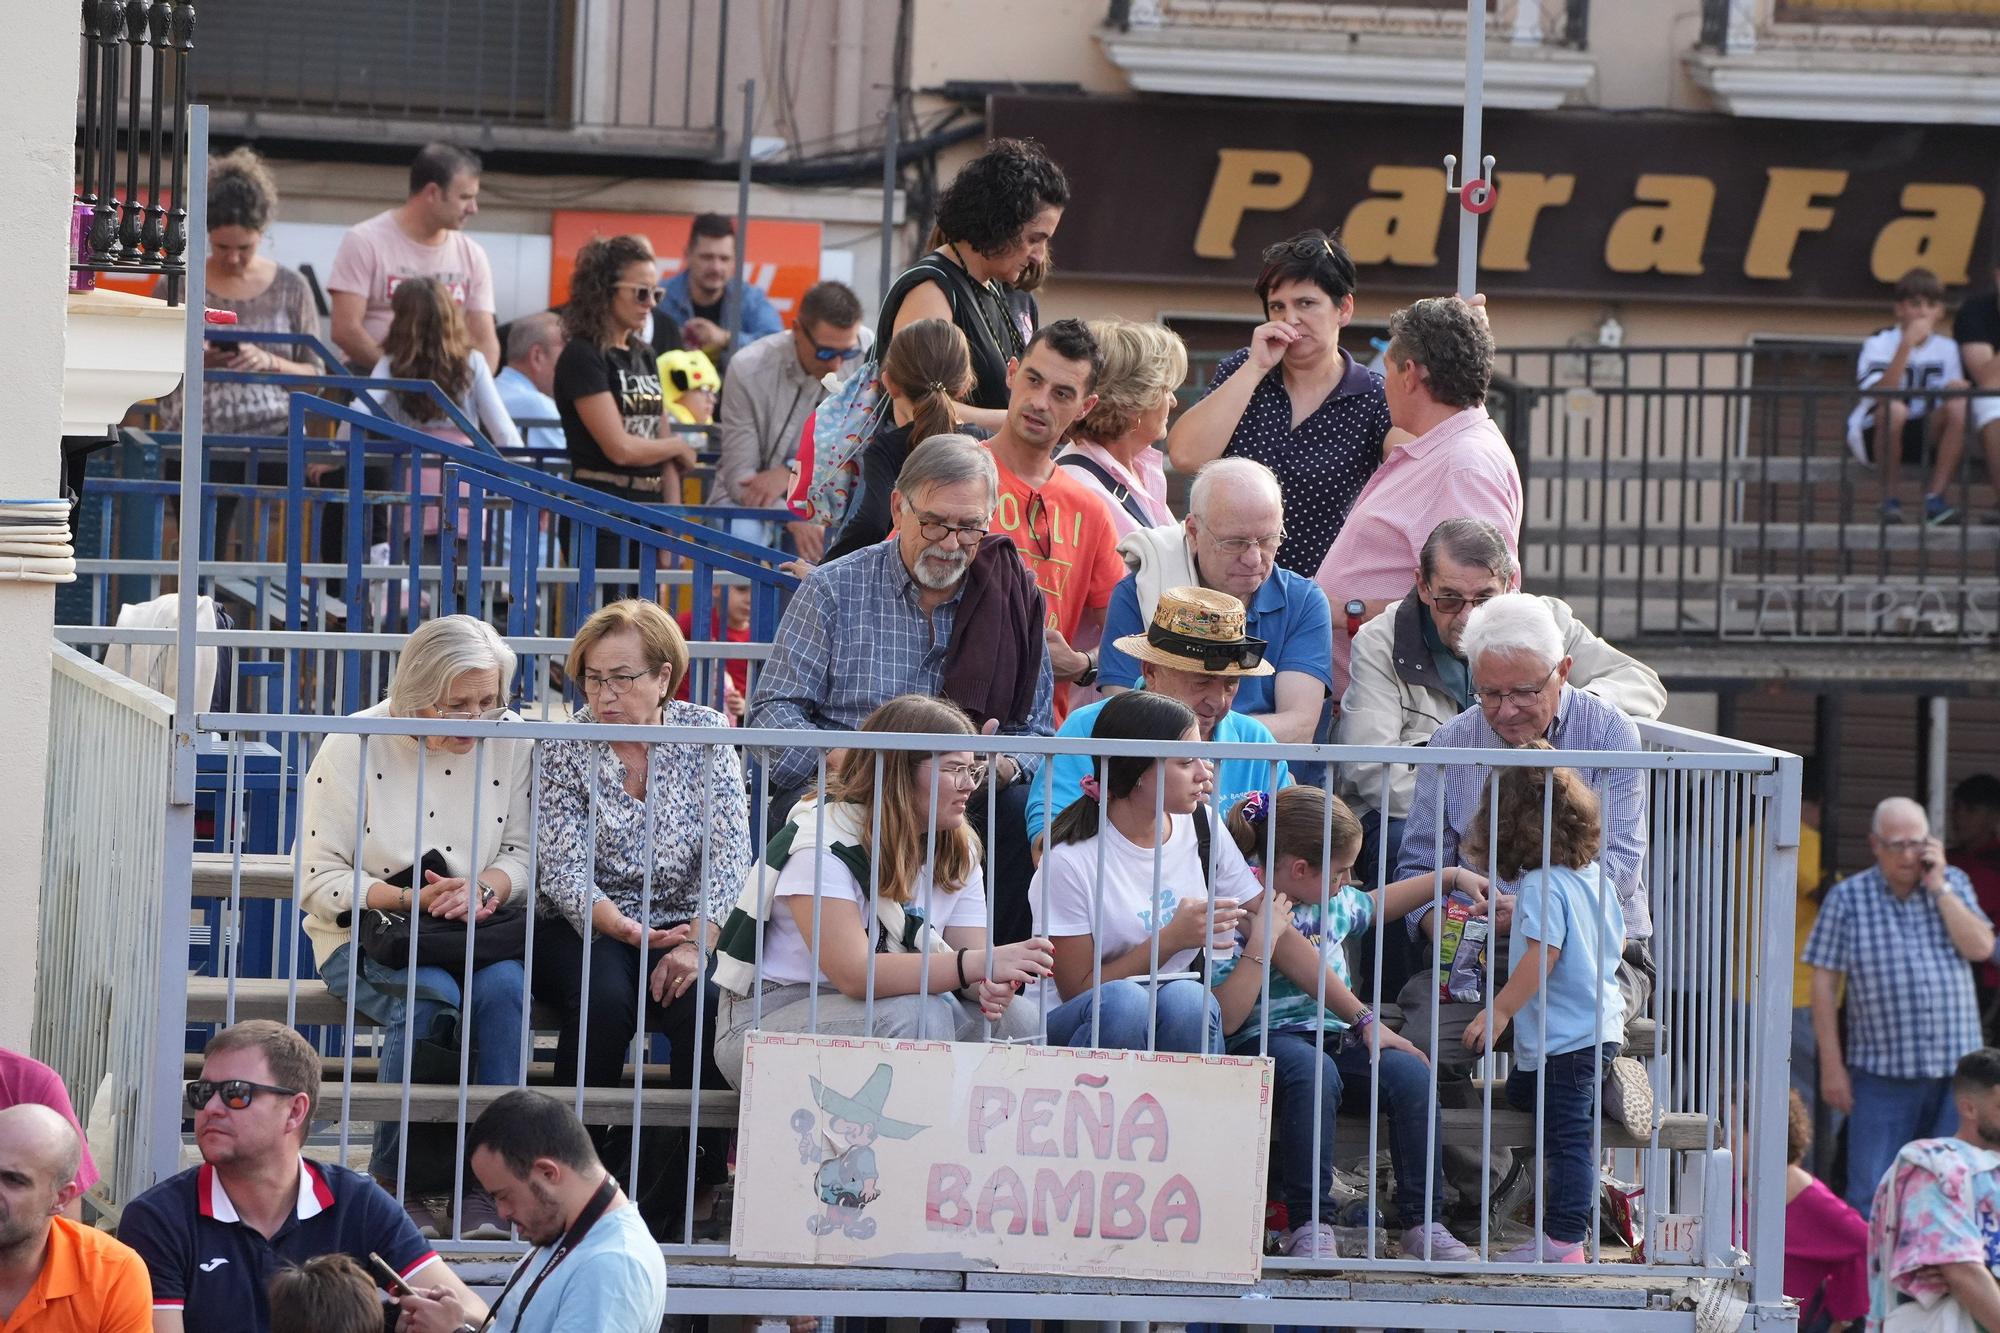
[1937,762]
[1469,160]
[191,455]
[735,303]
[891,134]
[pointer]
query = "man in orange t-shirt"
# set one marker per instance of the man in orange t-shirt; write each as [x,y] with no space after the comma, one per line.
[1057,524]
[58,1276]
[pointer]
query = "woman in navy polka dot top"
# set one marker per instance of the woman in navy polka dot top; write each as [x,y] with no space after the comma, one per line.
[1304,408]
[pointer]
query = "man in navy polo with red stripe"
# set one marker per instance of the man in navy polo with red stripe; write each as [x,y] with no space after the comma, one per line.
[213,1236]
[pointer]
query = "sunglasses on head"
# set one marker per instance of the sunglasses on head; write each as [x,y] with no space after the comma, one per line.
[236,1093]
[1246,654]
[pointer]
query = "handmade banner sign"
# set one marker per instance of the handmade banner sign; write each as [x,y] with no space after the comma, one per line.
[1021,1159]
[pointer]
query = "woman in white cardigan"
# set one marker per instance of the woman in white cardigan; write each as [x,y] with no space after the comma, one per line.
[374,807]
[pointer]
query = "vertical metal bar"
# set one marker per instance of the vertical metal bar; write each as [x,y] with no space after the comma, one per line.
[104,225]
[891,135]
[175,257]
[131,212]
[1475,91]
[191,469]
[732,294]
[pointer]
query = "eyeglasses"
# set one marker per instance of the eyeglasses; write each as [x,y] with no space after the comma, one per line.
[1236,546]
[641,293]
[1522,697]
[1905,846]
[483,715]
[1245,653]
[612,685]
[1041,531]
[1451,603]
[830,353]
[236,1093]
[936,530]
[965,777]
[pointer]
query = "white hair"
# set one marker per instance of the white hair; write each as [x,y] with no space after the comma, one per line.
[1514,622]
[439,652]
[1230,473]
[1898,805]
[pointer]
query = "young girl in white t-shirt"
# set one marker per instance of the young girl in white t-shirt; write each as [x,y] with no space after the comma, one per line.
[1122,897]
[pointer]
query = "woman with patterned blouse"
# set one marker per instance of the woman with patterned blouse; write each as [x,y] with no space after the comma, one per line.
[643,848]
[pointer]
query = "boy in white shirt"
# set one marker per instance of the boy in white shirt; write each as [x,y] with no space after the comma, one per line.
[1911,354]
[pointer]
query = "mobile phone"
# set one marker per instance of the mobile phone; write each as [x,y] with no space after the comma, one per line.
[390,1276]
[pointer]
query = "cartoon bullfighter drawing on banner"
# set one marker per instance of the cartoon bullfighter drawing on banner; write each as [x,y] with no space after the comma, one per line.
[847,1181]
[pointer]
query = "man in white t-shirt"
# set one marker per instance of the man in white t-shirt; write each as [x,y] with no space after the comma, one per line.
[1911,354]
[424,237]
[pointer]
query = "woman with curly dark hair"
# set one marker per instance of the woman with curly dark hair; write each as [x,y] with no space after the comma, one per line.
[995,220]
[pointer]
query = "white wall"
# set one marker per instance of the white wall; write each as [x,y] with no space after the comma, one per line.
[38,67]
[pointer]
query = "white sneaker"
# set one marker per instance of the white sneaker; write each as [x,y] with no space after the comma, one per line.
[1314,1240]
[1628,1095]
[1435,1242]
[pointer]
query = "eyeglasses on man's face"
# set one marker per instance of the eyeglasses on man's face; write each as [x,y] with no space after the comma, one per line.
[934,529]
[1520,697]
[470,715]
[1904,846]
[236,1093]
[594,683]
[830,353]
[1237,547]
[1451,603]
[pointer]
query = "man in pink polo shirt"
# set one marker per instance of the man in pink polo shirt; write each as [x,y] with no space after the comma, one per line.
[1439,361]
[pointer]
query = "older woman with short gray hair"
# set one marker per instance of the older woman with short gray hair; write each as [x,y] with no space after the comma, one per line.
[429,837]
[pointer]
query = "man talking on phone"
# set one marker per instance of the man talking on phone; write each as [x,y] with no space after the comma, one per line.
[594,1269]
[1903,936]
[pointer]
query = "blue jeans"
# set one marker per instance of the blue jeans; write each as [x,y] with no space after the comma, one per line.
[494,1024]
[1298,1067]
[1569,1114]
[1190,1019]
[1888,1113]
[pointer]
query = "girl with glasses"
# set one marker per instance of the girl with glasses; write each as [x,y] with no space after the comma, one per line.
[432,831]
[893,826]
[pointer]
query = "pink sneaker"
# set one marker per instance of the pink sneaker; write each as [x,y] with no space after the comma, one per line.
[1435,1242]
[1548,1250]
[1314,1240]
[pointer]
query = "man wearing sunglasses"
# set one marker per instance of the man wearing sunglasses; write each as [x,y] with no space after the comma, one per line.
[213,1236]
[770,392]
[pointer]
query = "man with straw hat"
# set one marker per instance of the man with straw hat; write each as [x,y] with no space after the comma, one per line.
[1197,651]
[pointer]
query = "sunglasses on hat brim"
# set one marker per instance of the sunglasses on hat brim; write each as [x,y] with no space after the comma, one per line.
[1245,654]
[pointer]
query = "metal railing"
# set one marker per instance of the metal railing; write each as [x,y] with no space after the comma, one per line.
[104,858]
[136,56]
[1938,26]
[1718,870]
[1564,23]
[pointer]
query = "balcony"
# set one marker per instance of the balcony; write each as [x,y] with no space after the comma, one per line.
[1407,52]
[637,78]
[1900,61]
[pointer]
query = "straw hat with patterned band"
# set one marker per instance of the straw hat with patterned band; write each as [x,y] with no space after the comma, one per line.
[1199,630]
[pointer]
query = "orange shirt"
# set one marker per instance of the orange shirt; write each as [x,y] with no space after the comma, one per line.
[1065,539]
[90,1283]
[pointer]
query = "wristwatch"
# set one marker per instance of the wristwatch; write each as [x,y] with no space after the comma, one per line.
[1088,676]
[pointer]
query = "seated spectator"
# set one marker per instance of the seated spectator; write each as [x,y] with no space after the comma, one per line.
[527,383]
[327,1294]
[1229,542]
[945,610]
[1932,1243]
[642,850]
[1977,331]
[26,1081]
[696,304]
[1561,998]
[1113,447]
[773,386]
[797,928]
[465,804]
[533,1156]
[57,1275]
[1407,679]
[1440,361]
[994,220]
[926,368]
[1195,651]
[1901,939]
[1133,887]
[1294,399]
[1826,1242]
[728,623]
[1322,1038]
[689,386]
[1888,432]
[423,237]
[428,340]
[215,1235]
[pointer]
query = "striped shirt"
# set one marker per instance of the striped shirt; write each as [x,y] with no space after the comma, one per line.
[1911,1010]
[854,637]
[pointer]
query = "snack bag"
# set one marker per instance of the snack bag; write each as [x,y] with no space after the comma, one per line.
[1462,947]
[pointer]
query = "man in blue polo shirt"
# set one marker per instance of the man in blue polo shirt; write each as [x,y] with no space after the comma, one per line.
[1235,524]
[213,1236]
[1195,651]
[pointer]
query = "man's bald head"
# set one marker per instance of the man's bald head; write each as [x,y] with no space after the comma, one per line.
[36,1138]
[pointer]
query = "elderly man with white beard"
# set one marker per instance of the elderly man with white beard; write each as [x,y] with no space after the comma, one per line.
[892,618]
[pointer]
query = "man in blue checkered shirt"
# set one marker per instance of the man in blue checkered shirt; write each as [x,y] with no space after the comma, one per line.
[1902,936]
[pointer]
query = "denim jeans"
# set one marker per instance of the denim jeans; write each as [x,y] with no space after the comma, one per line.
[1190,1019]
[1888,1113]
[493,1025]
[1298,1067]
[1569,1114]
